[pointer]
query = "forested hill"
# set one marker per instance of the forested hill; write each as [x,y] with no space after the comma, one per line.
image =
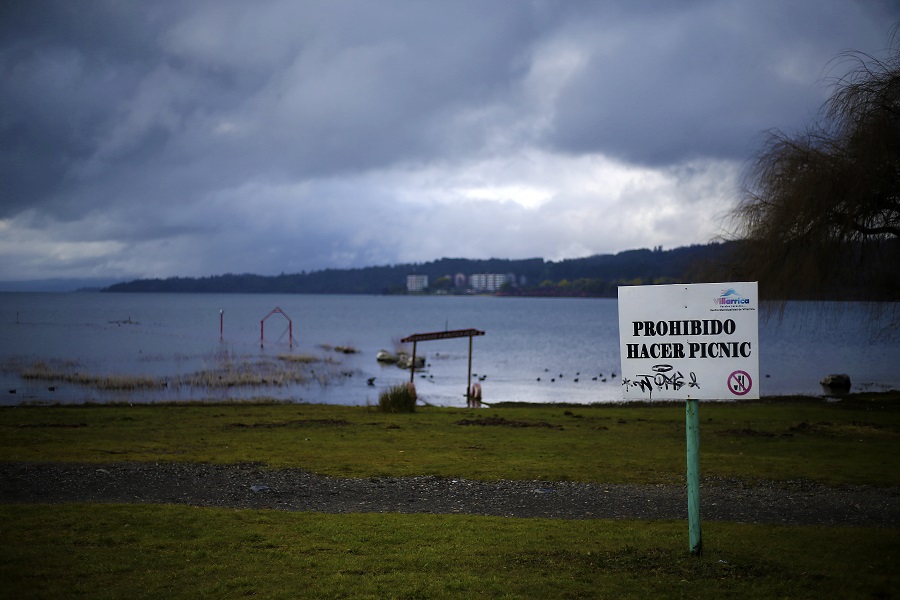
[593,275]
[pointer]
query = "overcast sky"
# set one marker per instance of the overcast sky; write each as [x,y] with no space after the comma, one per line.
[191,137]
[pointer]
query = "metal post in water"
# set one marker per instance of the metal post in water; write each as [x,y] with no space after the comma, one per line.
[692,421]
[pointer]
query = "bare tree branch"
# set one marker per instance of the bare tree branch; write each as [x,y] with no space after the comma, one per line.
[820,214]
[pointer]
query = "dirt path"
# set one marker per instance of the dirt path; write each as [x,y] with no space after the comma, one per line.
[253,486]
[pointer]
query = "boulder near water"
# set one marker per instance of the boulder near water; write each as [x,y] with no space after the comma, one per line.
[385,357]
[837,382]
[404,361]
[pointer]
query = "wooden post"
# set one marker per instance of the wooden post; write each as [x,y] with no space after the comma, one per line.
[469,380]
[692,421]
[221,318]
[412,365]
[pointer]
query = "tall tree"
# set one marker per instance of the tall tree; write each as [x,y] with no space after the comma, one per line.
[820,213]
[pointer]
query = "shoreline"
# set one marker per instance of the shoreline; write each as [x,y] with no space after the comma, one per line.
[889,395]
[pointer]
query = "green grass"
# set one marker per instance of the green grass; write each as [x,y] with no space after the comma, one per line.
[400,398]
[855,441]
[144,551]
[171,552]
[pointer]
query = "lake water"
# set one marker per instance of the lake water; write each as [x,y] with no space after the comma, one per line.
[167,336]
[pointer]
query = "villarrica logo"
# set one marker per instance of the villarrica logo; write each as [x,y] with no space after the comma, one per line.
[731,297]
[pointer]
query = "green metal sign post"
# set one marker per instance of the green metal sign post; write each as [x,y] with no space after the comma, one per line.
[692,421]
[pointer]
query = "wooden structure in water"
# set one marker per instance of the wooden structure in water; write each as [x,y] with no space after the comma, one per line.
[444,335]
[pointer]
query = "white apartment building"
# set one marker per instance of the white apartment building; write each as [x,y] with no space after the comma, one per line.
[488,282]
[416,283]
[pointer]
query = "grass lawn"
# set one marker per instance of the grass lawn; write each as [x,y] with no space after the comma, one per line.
[853,441]
[171,552]
[141,551]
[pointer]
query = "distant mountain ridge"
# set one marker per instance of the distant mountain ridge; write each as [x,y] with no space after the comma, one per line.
[631,266]
[61,284]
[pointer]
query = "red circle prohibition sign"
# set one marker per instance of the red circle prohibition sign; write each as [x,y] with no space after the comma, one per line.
[739,383]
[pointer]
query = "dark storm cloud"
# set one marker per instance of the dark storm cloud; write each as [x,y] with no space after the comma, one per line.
[170,137]
[65,66]
[118,95]
[680,83]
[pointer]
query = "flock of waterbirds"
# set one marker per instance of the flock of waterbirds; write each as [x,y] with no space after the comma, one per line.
[599,377]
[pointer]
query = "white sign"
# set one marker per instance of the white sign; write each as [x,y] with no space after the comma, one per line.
[689,341]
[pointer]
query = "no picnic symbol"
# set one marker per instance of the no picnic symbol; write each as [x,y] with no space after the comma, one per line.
[739,382]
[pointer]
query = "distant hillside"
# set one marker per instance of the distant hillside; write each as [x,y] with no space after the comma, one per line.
[56,285]
[595,275]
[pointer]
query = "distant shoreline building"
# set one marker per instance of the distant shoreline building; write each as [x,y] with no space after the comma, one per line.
[479,283]
[416,283]
[490,282]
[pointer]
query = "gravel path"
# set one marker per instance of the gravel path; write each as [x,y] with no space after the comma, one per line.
[253,486]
